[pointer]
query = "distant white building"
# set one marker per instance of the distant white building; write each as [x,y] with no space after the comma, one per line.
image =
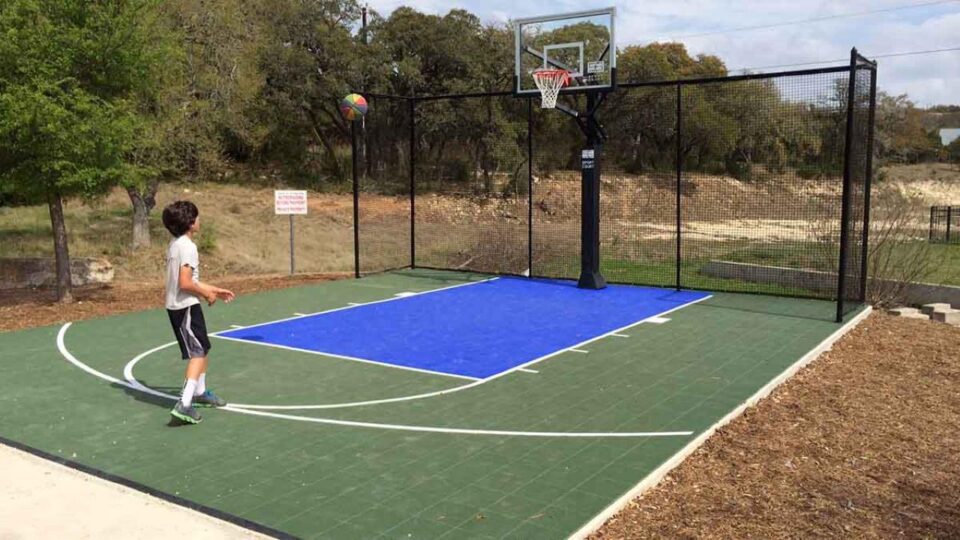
[948,135]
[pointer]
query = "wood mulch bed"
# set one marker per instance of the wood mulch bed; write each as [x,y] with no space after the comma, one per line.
[864,442]
[27,308]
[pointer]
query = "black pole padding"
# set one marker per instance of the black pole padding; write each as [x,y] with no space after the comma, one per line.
[412,111]
[845,201]
[590,276]
[865,241]
[356,201]
[679,165]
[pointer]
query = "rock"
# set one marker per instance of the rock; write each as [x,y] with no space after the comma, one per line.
[17,273]
[903,311]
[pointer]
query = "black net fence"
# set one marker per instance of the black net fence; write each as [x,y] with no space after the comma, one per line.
[854,249]
[754,184]
[472,184]
[945,224]
[385,210]
[762,179]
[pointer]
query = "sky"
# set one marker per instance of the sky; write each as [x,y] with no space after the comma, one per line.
[928,79]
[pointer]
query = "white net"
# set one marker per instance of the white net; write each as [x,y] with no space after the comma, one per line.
[550,81]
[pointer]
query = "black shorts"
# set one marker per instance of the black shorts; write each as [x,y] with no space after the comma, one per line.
[191,331]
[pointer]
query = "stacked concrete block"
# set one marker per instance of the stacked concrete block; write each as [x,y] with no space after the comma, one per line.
[943,313]
[908,313]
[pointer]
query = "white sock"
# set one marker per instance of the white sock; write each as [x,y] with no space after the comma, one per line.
[201,385]
[188,388]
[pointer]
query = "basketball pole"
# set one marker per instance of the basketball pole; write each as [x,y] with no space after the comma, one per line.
[590,275]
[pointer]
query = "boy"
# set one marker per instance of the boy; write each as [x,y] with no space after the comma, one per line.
[183,293]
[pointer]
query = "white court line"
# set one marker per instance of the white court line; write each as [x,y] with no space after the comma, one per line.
[405,294]
[528,371]
[235,326]
[461,431]
[344,357]
[395,427]
[619,335]
[128,374]
[128,371]
[674,461]
[349,304]
[299,315]
[575,348]
[659,320]
[369,303]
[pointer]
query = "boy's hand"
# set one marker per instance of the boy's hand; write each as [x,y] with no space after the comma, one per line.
[211,298]
[225,295]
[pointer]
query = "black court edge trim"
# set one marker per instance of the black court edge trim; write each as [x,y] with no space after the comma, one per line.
[133,484]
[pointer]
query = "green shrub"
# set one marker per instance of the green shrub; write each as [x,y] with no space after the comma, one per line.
[207,239]
[809,171]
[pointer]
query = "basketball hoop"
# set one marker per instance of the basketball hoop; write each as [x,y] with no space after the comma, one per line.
[550,81]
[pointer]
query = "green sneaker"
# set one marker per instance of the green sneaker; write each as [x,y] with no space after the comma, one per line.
[187,415]
[209,399]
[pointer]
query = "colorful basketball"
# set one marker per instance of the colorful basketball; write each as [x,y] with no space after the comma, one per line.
[353,107]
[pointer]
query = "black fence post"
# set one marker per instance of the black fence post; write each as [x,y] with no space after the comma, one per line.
[949,221]
[356,201]
[865,246]
[530,187]
[679,166]
[413,182]
[932,210]
[845,201]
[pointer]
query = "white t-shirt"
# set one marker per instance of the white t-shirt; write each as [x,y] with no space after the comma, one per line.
[182,251]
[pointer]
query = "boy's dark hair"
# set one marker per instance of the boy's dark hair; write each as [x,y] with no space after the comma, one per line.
[179,216]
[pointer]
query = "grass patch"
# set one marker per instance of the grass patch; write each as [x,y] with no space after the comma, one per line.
[664,275]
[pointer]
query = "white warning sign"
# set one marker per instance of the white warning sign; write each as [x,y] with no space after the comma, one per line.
[289,202]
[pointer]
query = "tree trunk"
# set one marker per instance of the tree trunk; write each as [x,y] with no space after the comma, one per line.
[143,203]
[55,202]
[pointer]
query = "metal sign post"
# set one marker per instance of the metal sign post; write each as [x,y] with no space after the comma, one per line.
[290,202]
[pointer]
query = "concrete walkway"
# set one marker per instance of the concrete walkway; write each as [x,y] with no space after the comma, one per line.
[42,499]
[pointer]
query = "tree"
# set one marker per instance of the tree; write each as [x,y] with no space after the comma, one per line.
[953,151]
[222,81]
[155,147]
[67,72]
[310,60]
[900,134]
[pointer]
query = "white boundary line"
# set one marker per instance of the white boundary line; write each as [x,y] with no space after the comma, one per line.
[529,370]
[657,474]
[573,348]
[581,351]
[344,357]
[331,421]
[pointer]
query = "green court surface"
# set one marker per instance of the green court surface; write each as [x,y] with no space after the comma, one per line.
[535,453]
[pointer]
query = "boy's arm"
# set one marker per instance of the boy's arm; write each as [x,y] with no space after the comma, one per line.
[208,292]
